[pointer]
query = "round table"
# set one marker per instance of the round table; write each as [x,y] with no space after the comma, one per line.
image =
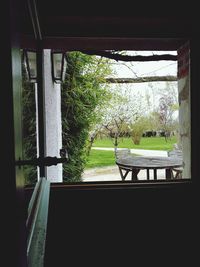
[137,163]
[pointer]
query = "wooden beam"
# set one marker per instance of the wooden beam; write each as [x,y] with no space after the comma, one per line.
[130,58]
[142,79]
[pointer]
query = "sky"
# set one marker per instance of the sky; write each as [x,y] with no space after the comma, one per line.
[151,68]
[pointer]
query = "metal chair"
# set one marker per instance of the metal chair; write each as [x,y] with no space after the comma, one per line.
[122,154]
[178,171]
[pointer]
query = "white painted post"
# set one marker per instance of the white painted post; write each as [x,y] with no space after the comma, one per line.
[53,122]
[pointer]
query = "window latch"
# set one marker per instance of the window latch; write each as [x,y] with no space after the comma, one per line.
[46,161]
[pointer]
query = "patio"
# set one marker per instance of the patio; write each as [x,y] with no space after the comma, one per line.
[111,173]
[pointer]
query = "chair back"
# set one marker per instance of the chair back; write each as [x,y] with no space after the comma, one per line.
[122,153]
[175,153]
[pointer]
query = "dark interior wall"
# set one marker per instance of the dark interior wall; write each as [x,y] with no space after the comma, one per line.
[127,226]
[195,114]
[101,226]
[114,226]
[12,182]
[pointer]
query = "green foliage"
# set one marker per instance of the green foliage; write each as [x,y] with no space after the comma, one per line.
[82,92]
[100,158]
[138,128]
[29,127]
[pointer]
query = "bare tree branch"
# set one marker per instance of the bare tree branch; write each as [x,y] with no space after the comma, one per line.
[168,78]
[117,56]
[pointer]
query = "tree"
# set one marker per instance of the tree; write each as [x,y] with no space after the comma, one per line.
[82,92]
[166,110]
[123,110]
[138,128]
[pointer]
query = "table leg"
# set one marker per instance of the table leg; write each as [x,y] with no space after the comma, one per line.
[148,177]
[168,174]
[155,174]
[123,176]
[134,174]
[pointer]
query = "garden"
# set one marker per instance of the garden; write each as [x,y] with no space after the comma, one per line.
[102,158]
[102,109]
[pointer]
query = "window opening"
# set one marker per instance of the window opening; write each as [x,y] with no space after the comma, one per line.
[115,108]
[139,111]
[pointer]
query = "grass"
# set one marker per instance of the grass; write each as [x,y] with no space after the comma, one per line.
[102,158]
[152,143]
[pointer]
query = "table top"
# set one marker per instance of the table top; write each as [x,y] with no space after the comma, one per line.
[148,162]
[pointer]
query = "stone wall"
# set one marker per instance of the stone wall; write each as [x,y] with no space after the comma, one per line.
[184,106]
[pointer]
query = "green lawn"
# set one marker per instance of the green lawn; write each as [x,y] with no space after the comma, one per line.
[153,143]
[100,158]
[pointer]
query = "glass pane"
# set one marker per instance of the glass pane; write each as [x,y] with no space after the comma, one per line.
[57,62]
